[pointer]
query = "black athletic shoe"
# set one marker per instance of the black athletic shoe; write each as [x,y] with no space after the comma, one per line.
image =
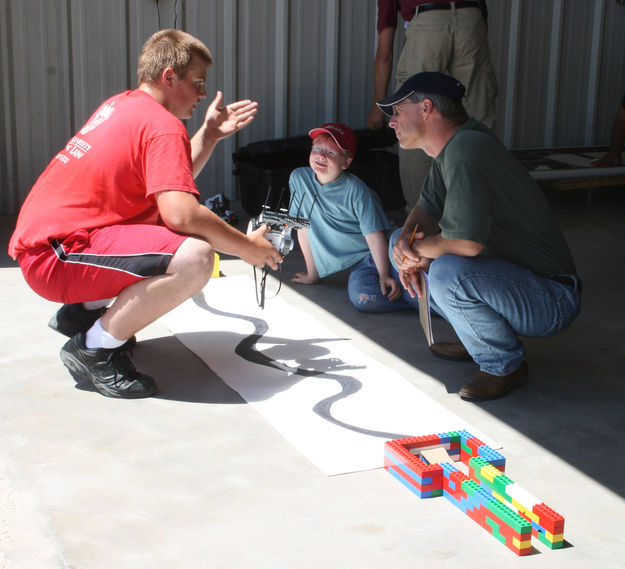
[71,319]
[110,371]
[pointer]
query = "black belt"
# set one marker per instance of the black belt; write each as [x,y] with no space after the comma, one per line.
[569,280]
[446,6]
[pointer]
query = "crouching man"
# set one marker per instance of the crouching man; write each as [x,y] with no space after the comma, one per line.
[116,215]
[498,265]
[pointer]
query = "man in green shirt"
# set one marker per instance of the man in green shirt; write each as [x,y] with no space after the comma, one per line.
[498,265]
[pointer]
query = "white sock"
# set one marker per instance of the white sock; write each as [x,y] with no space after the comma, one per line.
[95,304]
[98,337]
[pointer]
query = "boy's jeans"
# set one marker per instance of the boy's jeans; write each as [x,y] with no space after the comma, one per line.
[364,291]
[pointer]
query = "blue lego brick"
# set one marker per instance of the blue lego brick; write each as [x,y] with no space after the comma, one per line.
[423,481]
[444,437]
[448,468]
[426,494]
[464,435]
[491,455]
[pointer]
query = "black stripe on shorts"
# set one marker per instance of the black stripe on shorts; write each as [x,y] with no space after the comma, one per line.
[143,265]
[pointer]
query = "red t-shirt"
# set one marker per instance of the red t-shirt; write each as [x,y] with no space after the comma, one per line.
[108,173]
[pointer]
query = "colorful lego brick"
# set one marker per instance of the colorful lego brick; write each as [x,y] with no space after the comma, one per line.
[452,487]
[410,484]
[550,526]
[399,454]
[493,457]
[429,441]
[424,480]
[499,505]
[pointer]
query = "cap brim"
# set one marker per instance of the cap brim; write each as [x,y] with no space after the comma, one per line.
[386,105]
[315,132]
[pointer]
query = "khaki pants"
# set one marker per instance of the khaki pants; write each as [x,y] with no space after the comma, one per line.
[455,42]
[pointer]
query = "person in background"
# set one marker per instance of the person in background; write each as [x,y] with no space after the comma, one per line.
[115,216]
[617,142]
[449,37]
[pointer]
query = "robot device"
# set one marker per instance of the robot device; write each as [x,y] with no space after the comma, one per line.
[280,224]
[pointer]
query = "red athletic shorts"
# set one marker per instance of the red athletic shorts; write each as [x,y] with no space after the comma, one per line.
[98,264]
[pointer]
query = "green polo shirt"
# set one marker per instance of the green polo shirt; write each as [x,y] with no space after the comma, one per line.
[479,192]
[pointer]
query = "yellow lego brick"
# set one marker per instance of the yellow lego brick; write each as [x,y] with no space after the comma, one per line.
[499,497]
[490,472]
[553,538]
[521,508]
[526,543]
[486,473]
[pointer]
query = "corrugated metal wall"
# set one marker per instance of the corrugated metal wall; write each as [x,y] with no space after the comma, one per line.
[560,64]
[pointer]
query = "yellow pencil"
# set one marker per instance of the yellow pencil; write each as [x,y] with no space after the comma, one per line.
[416,228]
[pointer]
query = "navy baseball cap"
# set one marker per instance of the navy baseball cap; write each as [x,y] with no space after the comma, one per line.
[425,82]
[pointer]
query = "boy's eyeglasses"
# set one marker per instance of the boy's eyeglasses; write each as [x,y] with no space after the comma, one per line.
[327,153]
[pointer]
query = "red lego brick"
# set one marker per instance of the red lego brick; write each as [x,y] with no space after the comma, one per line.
[420,442]
[456,478]
[549,519]
[474,443]
[411,460]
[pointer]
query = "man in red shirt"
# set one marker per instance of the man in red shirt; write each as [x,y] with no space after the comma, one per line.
[116,215]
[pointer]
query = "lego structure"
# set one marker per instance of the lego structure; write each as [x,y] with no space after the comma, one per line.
[486,494]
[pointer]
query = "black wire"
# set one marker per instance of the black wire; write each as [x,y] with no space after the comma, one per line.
[260,288]
[158,13]
[176,14]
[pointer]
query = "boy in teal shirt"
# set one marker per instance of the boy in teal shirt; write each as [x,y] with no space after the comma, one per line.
[348,228]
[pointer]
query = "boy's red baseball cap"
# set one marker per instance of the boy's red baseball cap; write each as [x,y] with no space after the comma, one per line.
[341,133]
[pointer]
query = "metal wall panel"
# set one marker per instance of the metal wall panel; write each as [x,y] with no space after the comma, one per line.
[35,61]
[560,67]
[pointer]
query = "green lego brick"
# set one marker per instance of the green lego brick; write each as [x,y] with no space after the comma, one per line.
[499,485]
[454,437]
[496,533]
[515,521]
[550,544]
[470,487]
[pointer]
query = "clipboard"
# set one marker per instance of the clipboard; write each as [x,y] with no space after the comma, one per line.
[425,316]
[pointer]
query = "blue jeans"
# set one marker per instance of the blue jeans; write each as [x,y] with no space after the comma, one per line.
[364,291]
[490,302]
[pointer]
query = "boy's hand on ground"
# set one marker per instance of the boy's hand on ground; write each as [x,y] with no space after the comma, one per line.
[390,288]
[305,278]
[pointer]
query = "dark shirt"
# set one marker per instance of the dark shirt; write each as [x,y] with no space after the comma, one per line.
[623,101]
[388,9]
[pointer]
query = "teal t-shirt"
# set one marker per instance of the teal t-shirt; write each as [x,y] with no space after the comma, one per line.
[478,191]
[344,211]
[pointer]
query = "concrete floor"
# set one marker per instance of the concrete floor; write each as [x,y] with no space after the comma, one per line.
[194,478]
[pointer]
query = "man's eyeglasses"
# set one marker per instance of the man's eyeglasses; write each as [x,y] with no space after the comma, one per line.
[397,107]
[327,153]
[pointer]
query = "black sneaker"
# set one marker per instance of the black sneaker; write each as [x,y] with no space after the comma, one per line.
[110,371]
[71,319]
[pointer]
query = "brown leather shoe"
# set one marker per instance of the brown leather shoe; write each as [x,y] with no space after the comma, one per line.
[486,386]
[450,351]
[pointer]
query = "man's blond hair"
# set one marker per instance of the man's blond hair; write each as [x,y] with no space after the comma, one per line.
[170,48]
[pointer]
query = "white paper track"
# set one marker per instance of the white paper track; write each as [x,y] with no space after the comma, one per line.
[335,404]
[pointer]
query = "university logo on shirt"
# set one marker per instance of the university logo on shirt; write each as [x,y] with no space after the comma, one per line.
[102,114]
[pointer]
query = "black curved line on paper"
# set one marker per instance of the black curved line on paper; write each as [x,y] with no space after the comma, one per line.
[246,349]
